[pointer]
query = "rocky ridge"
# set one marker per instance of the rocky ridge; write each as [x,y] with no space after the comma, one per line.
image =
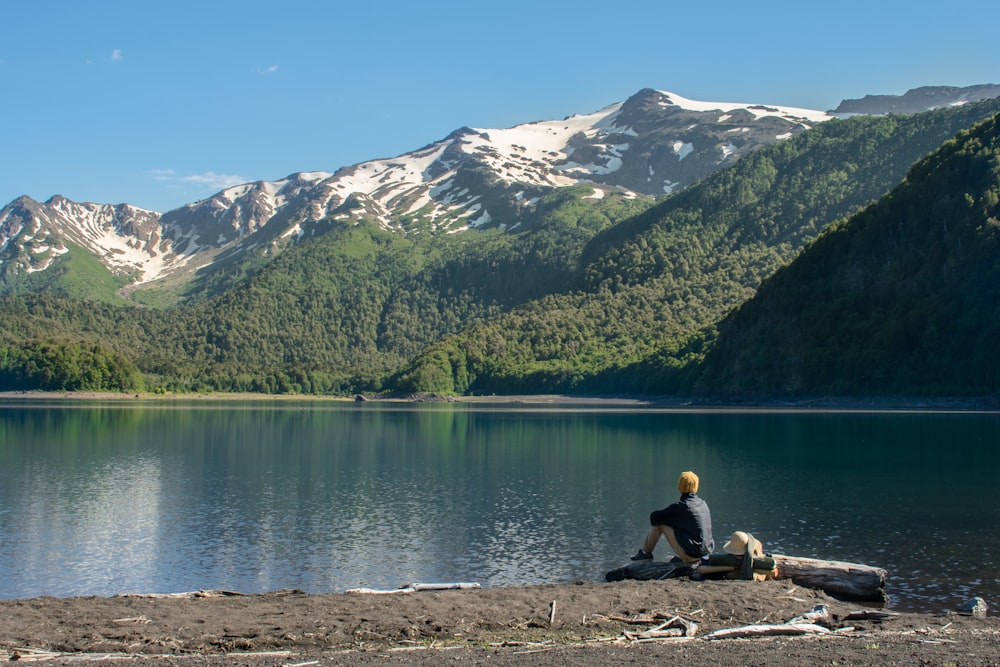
[653,143]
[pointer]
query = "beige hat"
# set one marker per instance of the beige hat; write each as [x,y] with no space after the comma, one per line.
[688,482]
[741,543]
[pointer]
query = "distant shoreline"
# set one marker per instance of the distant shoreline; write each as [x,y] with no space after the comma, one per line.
[989,403]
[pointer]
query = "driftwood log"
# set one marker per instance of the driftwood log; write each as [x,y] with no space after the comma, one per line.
[840,580]
[414,588]
[769,630]
[844,581]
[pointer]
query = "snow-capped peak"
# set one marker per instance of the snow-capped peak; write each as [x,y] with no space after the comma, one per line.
[540,140]
[758,110]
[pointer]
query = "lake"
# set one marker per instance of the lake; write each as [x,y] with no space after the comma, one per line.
[99,498]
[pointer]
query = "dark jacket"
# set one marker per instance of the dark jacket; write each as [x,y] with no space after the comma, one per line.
[692,524]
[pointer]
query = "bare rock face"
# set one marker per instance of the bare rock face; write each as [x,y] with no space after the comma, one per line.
[918,99]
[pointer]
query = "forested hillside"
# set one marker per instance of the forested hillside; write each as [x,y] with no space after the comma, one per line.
[901,298]
[598,295]
[647,288]
[335,314]
[77,275]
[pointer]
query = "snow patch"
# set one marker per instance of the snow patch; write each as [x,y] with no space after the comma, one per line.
[295,229]
[441,187]
[539,140]
[614,164]
[484,219]
[794,114]
[627,131]
[682,149]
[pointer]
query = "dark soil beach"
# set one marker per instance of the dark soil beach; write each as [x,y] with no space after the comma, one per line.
[584,623]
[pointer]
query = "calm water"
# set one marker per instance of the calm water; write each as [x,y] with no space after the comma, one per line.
[110,498]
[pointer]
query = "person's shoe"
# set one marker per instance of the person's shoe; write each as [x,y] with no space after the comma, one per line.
[642,555]
[676,560]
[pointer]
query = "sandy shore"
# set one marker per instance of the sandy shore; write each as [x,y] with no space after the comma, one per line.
[584,623]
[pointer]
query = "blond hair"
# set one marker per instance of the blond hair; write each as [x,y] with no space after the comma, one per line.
[688,482]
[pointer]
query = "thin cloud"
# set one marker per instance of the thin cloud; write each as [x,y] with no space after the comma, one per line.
[163,174]
[215,180]
[269,70]
[207,179]
[116,54]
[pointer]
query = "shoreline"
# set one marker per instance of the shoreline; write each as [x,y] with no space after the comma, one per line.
[990,403]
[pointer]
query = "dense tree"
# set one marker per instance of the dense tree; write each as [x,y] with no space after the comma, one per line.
[66,366]
[901,298]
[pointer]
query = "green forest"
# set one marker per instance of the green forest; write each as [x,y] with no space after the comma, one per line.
[902,298]
[854,258]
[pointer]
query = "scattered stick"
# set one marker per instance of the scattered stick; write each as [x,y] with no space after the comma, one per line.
[442,587]
[190,594]
[673,628]
[377,591]
[819,612]
[664,640]
[536,650]
[32,654]
[790,595]
[552,612]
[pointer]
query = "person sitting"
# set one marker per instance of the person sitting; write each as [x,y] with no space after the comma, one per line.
[686,524]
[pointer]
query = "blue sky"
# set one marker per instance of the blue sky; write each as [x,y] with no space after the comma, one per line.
[159,104]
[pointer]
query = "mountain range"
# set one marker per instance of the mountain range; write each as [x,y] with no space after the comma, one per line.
[592,286]
[653,143]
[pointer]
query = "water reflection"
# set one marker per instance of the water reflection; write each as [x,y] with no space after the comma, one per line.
[253,497]
[94,528]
